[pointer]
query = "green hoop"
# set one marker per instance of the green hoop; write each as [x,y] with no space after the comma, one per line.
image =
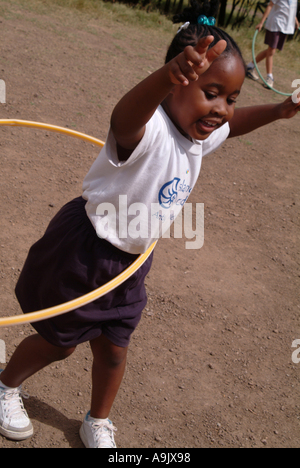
[254,61]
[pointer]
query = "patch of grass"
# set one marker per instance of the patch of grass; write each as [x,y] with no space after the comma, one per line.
[107,11]
[140,18]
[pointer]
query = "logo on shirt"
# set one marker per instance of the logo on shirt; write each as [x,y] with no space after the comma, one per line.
[174,192]
[168,193]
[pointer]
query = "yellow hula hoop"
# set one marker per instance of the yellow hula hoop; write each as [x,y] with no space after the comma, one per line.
[52,128]
[93,295]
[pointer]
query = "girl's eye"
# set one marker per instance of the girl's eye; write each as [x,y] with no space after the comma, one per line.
[209,96]
[231,101]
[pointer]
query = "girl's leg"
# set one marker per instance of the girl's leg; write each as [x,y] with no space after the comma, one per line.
[267,54]
[261,56]
[33,354]
[269,60]
[107,374]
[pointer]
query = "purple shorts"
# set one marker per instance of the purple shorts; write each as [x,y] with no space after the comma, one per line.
[70,260]
[275,40]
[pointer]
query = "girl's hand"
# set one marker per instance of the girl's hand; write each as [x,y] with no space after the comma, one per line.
[289,108]
[194,61]
[260,26]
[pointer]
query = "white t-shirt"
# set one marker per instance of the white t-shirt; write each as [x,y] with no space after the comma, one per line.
[282,16]
[131,203]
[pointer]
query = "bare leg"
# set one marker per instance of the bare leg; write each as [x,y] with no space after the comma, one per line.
[267,54]
[269,60]
[261,56]
[33,354]
[107,374]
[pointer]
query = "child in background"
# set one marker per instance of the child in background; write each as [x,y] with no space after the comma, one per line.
[159,133]
[281,16]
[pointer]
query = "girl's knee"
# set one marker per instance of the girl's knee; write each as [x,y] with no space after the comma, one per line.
[64,353]
[59,354]
[103,348]
[271,51]
[37,344]
[117,356]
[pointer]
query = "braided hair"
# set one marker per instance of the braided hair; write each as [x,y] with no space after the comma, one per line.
[191,34]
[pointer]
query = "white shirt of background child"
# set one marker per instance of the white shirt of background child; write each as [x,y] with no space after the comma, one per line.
[282,16]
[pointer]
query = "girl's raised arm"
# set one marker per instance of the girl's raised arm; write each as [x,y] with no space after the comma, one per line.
[136,108]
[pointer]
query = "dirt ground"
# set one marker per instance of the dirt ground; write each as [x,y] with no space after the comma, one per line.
[210,364]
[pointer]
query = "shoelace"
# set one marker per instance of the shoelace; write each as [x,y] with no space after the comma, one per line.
[104,433]
[13,404]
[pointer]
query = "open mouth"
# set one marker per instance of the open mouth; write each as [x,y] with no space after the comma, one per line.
[208,125]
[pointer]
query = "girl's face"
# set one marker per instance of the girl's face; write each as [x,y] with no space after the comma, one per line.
[208,103]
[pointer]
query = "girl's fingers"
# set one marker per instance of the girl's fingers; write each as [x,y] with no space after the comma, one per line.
[181,74]
[195,60]
[182,67]
[203,44]
[211,54]
[192,57]
[216,50]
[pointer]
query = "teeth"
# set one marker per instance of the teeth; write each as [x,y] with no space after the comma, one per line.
[209,124]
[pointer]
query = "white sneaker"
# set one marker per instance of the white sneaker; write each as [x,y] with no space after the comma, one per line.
[270,82]
[252,73]
[97,433]
[14,421]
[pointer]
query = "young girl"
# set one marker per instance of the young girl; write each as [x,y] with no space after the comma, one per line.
[281,16]
[159,132]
